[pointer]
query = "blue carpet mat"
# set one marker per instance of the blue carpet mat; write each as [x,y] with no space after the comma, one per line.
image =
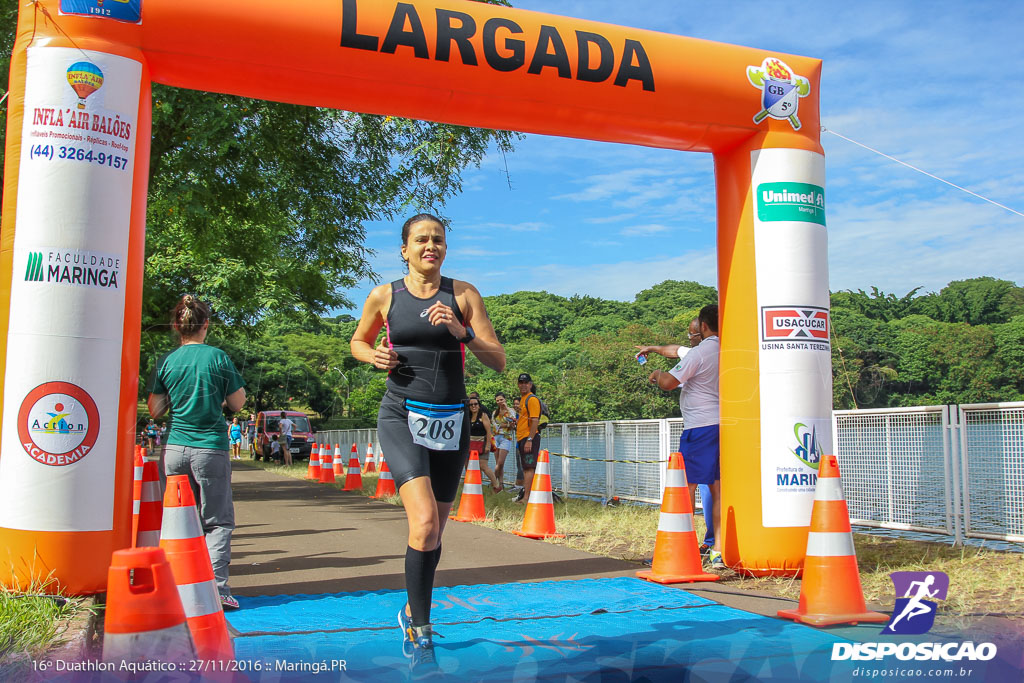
[706,643]
[457,604]
[619,629]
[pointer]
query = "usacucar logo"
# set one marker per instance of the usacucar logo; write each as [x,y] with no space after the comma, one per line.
[794,322]
[781,90]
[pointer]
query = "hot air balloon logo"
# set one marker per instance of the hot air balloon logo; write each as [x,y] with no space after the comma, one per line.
[85,78]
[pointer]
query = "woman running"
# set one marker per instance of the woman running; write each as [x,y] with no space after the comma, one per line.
[430,321]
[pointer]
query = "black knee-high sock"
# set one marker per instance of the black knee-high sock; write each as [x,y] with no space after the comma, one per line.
[437,555]
[419,583]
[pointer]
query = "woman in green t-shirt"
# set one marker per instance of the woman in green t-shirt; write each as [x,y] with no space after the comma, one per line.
[194,383]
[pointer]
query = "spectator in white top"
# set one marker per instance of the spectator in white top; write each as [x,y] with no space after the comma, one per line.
[284,426]
[696,375]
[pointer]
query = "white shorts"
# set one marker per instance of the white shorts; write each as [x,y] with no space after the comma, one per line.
[503,443]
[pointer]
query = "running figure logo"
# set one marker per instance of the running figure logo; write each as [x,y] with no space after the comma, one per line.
[913,614]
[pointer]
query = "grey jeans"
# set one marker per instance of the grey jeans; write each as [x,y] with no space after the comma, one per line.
[209,473]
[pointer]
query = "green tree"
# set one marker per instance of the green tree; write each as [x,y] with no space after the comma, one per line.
[259,206]
[533,316]
[977,301]
[8,22]
[878,305]
[670,299]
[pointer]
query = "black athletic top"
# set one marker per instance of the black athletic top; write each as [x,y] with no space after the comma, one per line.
[477,428]
[430,360]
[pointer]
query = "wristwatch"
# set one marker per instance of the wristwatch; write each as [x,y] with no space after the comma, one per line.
[470,336]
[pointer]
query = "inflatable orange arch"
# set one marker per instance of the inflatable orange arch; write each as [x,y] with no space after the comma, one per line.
[71,268]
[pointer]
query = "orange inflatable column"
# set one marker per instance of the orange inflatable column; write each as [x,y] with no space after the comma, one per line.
[71,261]
[776,372]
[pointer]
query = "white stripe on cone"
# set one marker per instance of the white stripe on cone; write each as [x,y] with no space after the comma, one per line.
[136,506]
[675,479]
[829,488]
[181,523]
[165,645]
[541,498]
[542,468]
[386,475]
[477,489]
[675,522]
[149,539]
[151,492]
[200,599]
[829,544]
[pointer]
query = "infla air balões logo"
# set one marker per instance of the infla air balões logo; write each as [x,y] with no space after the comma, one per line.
[85,78]
[913,613]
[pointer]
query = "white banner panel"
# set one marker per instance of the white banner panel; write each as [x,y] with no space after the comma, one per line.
[791,256]
[67,294]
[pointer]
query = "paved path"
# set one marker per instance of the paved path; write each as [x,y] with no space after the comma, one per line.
[294,536]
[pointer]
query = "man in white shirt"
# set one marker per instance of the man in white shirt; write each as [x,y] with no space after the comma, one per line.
[696,375]
[284,426]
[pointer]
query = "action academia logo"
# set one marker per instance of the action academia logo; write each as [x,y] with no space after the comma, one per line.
[58,423]
[781,90]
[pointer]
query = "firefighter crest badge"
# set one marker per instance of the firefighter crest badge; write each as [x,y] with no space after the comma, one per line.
[781,90]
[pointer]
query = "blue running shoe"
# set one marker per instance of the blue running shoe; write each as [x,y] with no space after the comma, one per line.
[716,560]
[423,663]
[405,623]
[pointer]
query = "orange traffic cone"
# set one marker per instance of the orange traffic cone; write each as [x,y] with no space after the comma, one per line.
[386,482]
[539,520]
[338,465]
[326,467]
[144,618]
[313,473]
[369,465]
[138,463]
[182,539]
[676,557]
[830,592]
[353,480]
[151,508]
[471,506]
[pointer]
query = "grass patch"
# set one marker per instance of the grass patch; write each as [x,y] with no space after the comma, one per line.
[983,582]
[32,624]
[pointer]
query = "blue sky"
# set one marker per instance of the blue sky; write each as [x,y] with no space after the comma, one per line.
[939,85]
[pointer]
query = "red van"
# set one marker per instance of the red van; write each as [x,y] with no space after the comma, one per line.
[266,429]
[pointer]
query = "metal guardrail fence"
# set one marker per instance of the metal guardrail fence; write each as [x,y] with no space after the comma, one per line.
[956,470]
